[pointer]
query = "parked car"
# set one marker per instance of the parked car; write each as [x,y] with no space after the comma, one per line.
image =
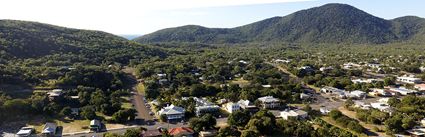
[25,131]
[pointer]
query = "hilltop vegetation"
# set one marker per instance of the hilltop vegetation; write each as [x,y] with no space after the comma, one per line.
[21,39]
[331,23]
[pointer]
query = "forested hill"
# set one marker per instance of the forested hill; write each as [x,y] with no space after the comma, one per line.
[22,39]
[330,23]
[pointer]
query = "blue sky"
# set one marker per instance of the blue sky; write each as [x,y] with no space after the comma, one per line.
[146,16]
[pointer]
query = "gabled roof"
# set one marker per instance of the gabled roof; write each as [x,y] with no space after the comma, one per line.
[180,131]
[170,110]
[268,99]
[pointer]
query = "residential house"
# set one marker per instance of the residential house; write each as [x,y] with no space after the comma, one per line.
[49,129]
[350,65]
[357,81]
[374,65]
[409,79]
[297,114]
[357,94]
[403,91]
[380,92]
[282,61]
[248,106]
[181,132]
[324,110]
[334,91]
[172,112]
[324,69]
[417,132]
[384,107]
[362,105]
[55,94]
[204,106]
[152,133]
[232,107]
[269,102]
[95,125]
[331,90]
[420,87]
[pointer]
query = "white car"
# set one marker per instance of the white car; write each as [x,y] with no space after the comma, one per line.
[25,131]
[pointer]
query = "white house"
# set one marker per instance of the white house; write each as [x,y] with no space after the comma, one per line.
[384,107]
[266,86]
[172,112]
[362,105]
[55,93]
[269,102]
[232,107]
[282,61]
[326,68]
[324,111]
[357,94]
[374,65]
[409,79]
[331,90]
[247,105]
[403,91]
[297,114]
[365,80]
[204,106]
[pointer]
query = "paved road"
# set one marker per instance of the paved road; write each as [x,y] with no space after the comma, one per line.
[220,122]
[140,106]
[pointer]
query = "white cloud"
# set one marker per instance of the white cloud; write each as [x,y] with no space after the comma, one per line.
[115,16]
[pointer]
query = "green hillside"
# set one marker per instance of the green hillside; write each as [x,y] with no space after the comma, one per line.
[330,23]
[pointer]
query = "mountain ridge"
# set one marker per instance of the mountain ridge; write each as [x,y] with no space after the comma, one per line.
[330,23]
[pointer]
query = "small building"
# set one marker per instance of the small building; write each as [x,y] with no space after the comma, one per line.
[304,96]
[172,112]
[409,79]
[324,69]
[209,133]
[25,131]
[181,132]
[324,110]
[297,114]
[266,86]
[403,91]
[362,105]
[204,106]
[420,87]
[49,129]
[374,65]
[232,107]
[152,133]
[357,81]
[380,92]
[247,106]
[331,90]
[417,132]
[161,75]
[269,102]
[384,107]
[95,125]
[55,94]
[357,94]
